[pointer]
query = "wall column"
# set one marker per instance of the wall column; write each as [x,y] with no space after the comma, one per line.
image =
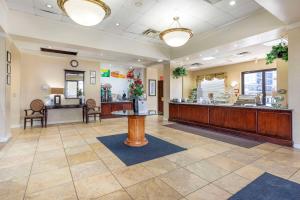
[4,94]
[167,83]
[294,82]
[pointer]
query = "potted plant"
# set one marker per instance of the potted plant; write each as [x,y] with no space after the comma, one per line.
[80,96]
[278,51]
[179,72]
[136,90]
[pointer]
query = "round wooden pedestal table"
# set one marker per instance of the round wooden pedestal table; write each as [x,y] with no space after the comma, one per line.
[136,127]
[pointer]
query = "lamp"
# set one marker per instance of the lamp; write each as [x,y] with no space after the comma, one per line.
[177,36]
[85,12]
[57,95]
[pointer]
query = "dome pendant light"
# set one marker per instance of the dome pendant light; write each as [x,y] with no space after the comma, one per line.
[85,12]
[176,37]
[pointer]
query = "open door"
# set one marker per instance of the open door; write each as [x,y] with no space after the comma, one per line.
[160,96]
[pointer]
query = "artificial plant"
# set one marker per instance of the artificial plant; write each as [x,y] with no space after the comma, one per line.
[179,72]
[136,87]
[278,51]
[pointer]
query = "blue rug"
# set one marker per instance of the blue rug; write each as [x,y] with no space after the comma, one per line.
[133,155]
[269,187]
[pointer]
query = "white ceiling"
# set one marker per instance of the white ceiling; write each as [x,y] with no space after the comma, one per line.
[198,15]
[109,57]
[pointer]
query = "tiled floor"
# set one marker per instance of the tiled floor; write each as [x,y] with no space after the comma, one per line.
[68,162]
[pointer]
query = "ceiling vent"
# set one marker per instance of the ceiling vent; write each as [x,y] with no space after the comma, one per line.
[243,53]
[151,33]
[212,2]
[72,53]
[196,64]
[47,11]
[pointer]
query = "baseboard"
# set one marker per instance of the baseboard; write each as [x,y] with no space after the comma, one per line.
[296,146]
[49,123]
[5,139]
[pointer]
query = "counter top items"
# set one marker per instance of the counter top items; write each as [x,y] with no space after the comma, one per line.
[106,95]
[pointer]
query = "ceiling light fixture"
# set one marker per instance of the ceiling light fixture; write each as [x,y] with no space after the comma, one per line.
[85,12]
[49,5]
[177,36]
[139,60]
[208,58]
[160,60]
[117,24]
[232,3]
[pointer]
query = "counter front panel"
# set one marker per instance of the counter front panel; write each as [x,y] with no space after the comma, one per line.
[265,124]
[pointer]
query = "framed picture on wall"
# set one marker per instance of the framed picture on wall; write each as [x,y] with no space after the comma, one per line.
[152,87]
[8,79]
[8,57]
[93,77]
[8,68]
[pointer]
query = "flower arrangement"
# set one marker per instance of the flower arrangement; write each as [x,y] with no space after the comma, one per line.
[136,87]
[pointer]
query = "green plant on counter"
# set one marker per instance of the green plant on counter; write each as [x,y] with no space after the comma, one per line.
[278,51]
[179,72]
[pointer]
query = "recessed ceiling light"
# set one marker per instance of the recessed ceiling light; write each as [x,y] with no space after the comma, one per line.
[187,58]
[49,47]
[159,60]
[208,58]
[139,60]
[117,24]
[232,3]
[193,67]
[49,5]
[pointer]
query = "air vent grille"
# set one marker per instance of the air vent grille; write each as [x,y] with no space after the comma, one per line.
[212,2]
[151,33]
[243,53]
[73,53]
[196,64]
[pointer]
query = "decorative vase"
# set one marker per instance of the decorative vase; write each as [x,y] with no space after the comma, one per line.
[135,102]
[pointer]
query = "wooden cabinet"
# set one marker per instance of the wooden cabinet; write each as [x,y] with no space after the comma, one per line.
[262,124]
[173,111]
[275,124]
[233,118]
[108,107]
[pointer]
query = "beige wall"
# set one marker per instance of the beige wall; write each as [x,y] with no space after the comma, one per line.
[234,72]
[152,72]
[39,70]
[15,105]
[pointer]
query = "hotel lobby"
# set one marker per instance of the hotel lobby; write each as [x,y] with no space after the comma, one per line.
[149,100]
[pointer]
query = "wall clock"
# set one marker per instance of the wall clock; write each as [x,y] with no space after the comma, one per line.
[74,63]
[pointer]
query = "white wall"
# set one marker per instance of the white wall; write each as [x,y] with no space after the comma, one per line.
[119,85]
[4,93]
[294,82]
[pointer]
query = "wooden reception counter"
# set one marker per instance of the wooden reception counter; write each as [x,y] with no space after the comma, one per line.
[108,107]
[259,123]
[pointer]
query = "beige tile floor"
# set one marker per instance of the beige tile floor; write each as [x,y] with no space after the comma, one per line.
[67,162]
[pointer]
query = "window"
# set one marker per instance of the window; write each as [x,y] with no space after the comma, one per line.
[215,86]
[74,83]
[260,82]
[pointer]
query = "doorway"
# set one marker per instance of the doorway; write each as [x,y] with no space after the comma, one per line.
[160,95]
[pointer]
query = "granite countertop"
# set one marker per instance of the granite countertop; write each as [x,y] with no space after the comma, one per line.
[233,106]
[125,101]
